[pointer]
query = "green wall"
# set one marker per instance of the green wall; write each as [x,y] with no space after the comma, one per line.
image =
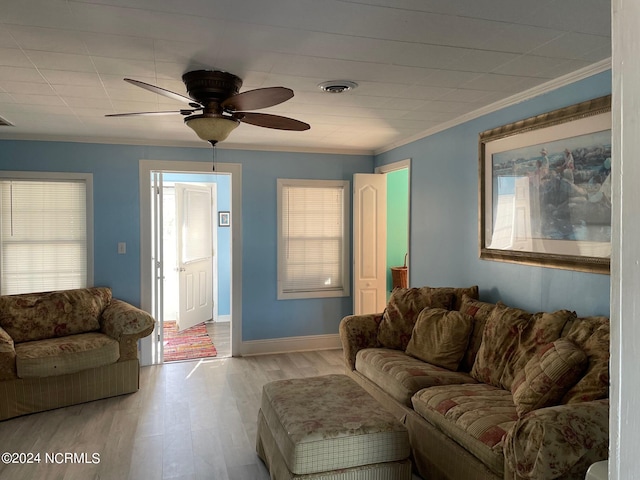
[397,220]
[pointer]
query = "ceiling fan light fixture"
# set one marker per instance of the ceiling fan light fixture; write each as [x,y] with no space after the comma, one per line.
[212,128]
[337,86]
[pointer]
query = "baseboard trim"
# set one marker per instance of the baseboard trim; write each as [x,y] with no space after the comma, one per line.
[223,318]
[290,344]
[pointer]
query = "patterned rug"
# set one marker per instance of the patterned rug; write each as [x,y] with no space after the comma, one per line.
[187,345]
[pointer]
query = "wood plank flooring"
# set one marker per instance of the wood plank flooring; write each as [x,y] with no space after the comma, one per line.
[220,333]
[189,420]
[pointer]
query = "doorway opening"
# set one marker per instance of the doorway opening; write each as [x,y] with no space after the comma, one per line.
[397,228]
[192,245]
[151,265]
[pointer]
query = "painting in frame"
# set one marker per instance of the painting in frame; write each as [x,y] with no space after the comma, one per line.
[224,219]
[545,189]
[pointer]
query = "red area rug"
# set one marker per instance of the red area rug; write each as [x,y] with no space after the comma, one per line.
[189,344]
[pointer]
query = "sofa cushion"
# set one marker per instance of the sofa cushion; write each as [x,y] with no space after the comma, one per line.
[457,292]
[36,316]
[480,312]
[401,375]
[548,375]
[591,334]
[71,354]
[476,416]
[405,304]
[440,337]
[511,337]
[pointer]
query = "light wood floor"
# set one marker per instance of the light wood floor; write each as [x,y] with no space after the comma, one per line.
[220,333]
[190,420]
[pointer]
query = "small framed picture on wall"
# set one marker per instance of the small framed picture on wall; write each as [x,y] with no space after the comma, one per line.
[224,219]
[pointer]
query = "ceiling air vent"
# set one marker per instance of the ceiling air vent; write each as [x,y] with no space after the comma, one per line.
[5,123]
[337,86]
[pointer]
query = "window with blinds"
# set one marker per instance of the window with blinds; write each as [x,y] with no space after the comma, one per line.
[43,235]
[313,244]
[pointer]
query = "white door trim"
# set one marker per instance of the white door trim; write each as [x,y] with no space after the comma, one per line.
[235,169]
[390,167]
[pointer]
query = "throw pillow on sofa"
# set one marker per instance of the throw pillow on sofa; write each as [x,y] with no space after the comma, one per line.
[457,292]
[480,312]
[440,337]
[592,335]
[548,376]
[511,337]
[405,304]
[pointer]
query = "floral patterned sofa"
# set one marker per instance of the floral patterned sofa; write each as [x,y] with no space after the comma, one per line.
[486,391]
[67,347]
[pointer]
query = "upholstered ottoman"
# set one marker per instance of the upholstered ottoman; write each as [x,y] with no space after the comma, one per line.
[329,428]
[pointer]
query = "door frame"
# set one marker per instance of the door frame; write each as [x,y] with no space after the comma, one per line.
[391,167]
[146,167]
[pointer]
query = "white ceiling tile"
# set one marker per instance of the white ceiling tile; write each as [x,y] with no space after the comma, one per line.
[448,78]
[14,74]
[481,61]
[6,39]
[60,61]
[34,110]
[573,45]
[5,98]
[584,16]
[27,88]
[465,95]
[115,46]
[84,102]
[47,39]
[516,38]
[27,99]
[496,83]
[62,77]
[124,67]
[44,13]
[531,66]
[14,57]
[82,91]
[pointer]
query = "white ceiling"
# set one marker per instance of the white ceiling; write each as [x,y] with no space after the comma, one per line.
[419,63]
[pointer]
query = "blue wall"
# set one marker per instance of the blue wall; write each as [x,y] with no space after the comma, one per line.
[117,219]
[444,215]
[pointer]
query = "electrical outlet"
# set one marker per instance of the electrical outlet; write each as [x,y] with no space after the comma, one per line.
[122,248]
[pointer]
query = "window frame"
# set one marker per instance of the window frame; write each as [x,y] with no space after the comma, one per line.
[87,178]
[345,291]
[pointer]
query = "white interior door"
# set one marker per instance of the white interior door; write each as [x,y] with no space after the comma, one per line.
[194,207]
[369,243]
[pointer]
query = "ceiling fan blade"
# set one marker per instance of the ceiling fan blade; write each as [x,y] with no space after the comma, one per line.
[163,91]
[272,121]
[166,112]
[257,99]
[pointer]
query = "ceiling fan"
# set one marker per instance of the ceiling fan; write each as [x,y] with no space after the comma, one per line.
[215,95]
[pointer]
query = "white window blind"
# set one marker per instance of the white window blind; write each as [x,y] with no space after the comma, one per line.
[43,235]
[312,242]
